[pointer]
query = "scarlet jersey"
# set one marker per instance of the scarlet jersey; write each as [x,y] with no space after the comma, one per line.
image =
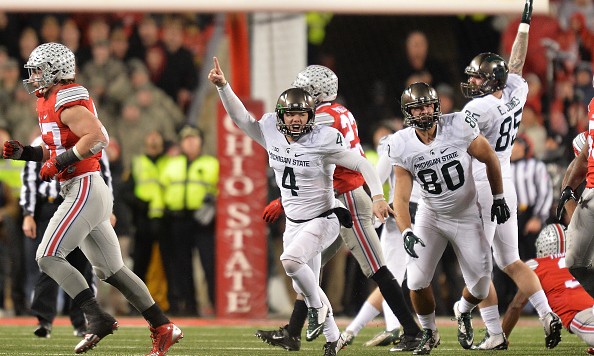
[590,174]
[566,295]
[339,117]
[58,136]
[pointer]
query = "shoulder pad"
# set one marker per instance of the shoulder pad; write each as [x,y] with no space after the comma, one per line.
[324,118]
[532,264]
[68,95]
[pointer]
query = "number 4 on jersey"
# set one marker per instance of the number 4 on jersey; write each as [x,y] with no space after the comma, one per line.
[289,175]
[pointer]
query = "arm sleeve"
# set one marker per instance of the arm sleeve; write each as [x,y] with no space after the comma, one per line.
[239,114]
[356,162]
[384,167]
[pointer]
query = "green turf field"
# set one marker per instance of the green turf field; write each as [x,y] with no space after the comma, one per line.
[240,340]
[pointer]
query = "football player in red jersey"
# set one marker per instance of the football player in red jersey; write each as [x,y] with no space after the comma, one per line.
[566,296]
[73,138]
[361,239]
[580,250]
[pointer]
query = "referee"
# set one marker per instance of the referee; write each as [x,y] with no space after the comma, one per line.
[39,201]
[534,190]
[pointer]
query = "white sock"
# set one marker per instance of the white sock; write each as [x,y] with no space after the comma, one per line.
[490,316]
[305,280]
[331,331]
[465,306]
[540,303]
[427,321]
[364,316]
[392,321]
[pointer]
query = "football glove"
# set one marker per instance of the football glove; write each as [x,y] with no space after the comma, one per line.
[500,210]
[410,240]
[49,169]
[273,210]
[566,194]
[527,13]
[12,149]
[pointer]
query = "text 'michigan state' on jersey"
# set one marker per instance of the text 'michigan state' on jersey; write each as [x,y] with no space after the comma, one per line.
[498,121]
[57,136]
[443,167]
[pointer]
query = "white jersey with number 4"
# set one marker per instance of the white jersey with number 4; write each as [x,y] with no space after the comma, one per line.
[443,167]
[498,121]
[304,179]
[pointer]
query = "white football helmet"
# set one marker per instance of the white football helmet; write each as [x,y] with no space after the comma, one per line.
[578,142]
[550,241]
[319,81]
[48,64]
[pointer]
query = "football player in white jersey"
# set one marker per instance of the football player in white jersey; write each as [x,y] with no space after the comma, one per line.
[499,94]
[303,157]
[437,152]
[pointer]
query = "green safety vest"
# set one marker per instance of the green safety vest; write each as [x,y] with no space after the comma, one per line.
[373,157]
[185,185]
[147,186]
[10,173]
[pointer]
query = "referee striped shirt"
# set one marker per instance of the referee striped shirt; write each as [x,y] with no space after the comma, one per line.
[34,189]
[533,187]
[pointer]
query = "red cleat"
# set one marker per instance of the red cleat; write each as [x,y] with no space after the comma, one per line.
[163,338]
[590,350]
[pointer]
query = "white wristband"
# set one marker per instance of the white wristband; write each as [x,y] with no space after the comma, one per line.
[498,196]
[406,231]
[379,199]
[524,27]
[78,155]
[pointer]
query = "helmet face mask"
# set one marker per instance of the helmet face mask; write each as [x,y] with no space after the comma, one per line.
[491,68]
[295,100]
[47,65]
[418,95]
[319,81]
[550,241]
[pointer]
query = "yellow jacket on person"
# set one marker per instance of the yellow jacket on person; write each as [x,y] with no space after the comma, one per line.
[186,184]
[147,185]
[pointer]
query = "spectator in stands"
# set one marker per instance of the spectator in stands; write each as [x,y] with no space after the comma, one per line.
[107,80]
[533,128]
[71,37]
[179,78]
[190,186]
[147,35]
[119,44]
[51,29]
[144,194]
[97,30]
[28,40]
